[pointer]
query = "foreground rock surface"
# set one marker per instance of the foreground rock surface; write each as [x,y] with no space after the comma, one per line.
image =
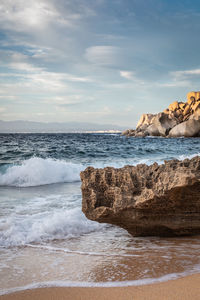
[169,123]
[156,200]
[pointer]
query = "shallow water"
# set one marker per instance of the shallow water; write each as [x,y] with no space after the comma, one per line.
[44,236]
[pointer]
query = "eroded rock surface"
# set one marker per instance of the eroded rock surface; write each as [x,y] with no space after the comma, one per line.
[156,200]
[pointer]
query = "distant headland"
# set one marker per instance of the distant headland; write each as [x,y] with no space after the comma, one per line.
[179,119]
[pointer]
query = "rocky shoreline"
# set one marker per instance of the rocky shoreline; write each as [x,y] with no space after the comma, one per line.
[180,119]
[155,200]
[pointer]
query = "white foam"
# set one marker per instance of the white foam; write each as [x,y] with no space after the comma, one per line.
[65,250]
[47,226]
[108,284]
[38,171]
[182,157]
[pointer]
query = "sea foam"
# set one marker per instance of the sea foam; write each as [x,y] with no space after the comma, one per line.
[20,230]
[38,171]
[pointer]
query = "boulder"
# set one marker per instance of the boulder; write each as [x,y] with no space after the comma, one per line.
[190,128]
[145,120]
[186,110]
[166,111]
[196,106]
[173,106]
[181,105]
[129,132]
[178,113]
[163,123]
[156,200]
[193,96]
[153,130]
[195,115]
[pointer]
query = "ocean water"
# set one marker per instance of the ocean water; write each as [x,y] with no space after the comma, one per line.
[45,239]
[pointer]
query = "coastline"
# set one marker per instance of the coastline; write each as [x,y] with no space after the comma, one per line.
[185,288]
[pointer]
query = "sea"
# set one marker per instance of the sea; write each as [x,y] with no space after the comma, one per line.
[46,240]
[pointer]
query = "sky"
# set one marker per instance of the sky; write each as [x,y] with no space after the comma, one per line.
[100,61]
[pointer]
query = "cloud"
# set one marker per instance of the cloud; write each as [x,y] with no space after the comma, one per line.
[181,78]
[65,100]
[131,76]
[127,74]
[102,55]
[23,15]
[185,73]
[32,75]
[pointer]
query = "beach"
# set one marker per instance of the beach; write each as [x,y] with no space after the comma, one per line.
[185,288]
[46,240]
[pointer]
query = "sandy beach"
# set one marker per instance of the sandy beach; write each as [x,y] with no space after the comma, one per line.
[187,288]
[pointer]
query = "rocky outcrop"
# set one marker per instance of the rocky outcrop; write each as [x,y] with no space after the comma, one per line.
[169,123]
[187,129]
[156,200]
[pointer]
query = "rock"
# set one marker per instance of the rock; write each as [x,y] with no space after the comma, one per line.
[145,120]
[180,118]
[178,113]
[141,133]
[163,123]
[145,200]
[186,117]
[129,132]
[193,96]
[181,105]
[196,115]
[173,106]
[153,130]
[166,111]
[188,128]
[186,110]
[196,106]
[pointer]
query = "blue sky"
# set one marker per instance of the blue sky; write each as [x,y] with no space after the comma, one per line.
[102,61]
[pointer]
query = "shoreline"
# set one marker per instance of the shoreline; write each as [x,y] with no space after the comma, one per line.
[184,288]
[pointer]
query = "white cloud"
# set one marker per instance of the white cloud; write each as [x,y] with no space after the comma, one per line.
[127,74]
[65,100]
[36,76]
[23,15]
[102,55]
[180,78]
[185,73]
[175,83]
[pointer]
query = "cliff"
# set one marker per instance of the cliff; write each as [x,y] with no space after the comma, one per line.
[179,119]
[156,200]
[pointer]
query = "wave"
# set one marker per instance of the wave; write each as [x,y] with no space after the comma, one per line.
[38,171]
[65,250]
[23,230]
[108,284]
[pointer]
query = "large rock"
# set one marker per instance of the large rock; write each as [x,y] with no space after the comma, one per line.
[129,132]
[174,106]
[163,123]
[173,121]
[152,130]
[191,96]
[190,128]
[145,200]
[145,120]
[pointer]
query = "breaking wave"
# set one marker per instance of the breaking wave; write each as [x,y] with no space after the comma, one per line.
[38,171]
[37,228]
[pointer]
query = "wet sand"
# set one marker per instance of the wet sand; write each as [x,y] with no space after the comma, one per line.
[187,288]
